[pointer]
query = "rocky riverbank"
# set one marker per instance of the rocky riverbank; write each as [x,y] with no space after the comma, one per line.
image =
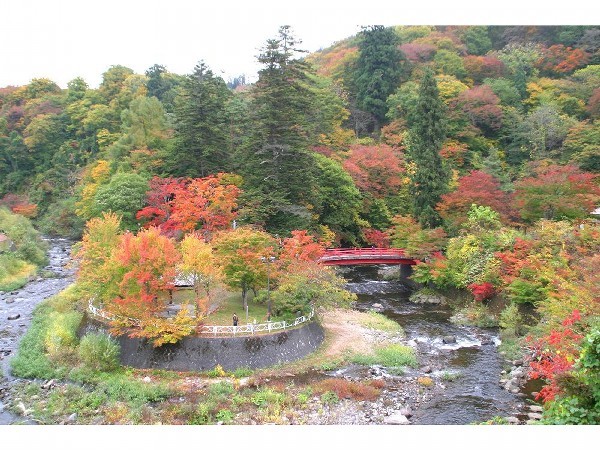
[16,309]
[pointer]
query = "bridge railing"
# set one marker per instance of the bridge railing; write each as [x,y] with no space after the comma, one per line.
[359,252]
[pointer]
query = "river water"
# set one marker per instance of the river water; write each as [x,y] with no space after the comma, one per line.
[58,274]
[475,395]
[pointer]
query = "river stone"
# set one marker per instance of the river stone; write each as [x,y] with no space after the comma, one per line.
[536,408]
[534,416]
[14,316]
[449,340]
[396,419]
[377,306]
[433,299]
[512,420]
[406,411]
[72,418]
[426,369]
[10,300]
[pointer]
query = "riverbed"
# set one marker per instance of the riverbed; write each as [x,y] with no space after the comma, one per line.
[16,308]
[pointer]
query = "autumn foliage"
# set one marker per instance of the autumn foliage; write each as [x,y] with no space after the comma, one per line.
[478,188]
[184,205]
[557,192]
[19,205]
[375,169]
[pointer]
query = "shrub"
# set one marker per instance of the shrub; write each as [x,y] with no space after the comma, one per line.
[266,397]
[348,389]
[425,381]
[61,335]
[225,416]
[222,389]
[217,372]
[511,320]
[123,388]
[242,372]
[99,351]
[329,398]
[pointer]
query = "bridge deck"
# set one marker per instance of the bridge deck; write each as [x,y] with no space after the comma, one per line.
[362,256]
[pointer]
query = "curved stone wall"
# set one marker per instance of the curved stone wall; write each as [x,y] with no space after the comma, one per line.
[201,353]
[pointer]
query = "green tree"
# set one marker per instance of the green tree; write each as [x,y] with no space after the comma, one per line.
[477,40]
[124,195]
[449,63]
[239,254]
[339,200]
[201,126]
[429,177]
[279,168]
[380,68]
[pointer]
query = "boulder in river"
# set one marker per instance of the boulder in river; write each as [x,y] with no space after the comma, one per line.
[396,419]
[428,297]
[14,316]
[449,339]
[10,300]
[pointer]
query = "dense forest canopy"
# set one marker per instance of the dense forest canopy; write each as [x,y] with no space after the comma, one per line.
[513,100]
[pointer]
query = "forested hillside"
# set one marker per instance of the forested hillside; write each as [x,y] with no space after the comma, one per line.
[320,142]
[477,145]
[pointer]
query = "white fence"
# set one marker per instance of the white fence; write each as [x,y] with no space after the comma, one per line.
[216,330]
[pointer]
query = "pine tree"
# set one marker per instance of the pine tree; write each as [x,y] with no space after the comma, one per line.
[279,171]
[427,134]
[202,126]
[379,69]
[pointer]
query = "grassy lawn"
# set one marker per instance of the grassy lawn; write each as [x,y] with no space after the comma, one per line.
[228,304]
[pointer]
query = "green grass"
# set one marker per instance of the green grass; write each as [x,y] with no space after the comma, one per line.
[393,355]
[379,322]
[14,273]
[229,305]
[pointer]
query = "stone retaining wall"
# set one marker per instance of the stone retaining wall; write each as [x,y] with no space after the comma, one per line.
[194,353]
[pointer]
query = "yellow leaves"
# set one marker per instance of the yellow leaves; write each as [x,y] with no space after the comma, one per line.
[98,175]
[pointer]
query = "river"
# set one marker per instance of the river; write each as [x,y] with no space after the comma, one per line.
[475,395]
[22,302]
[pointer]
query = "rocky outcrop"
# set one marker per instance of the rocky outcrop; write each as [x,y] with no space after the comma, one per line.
[428,297]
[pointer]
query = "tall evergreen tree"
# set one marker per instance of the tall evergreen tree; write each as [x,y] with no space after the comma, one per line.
[379,69]
[202,127]
[430,177]
[280,170]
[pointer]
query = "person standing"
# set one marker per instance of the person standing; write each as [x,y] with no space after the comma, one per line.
[235,320]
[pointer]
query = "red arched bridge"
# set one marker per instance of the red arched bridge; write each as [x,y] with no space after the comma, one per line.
[362,256]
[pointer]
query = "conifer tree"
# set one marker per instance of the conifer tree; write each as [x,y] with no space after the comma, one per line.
[379,69]
[279,169]
[430,177]
[202,127]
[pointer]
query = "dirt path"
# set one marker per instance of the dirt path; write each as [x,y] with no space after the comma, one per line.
[345,333]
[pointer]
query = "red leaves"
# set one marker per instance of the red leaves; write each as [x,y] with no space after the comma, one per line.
[481,67]
[375,169]
[301,247]
[481,106]
[379,239]
[185,205]
[555,354]
[557,192]
[560,60]
[482,291]
[19,205]
[477,188]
